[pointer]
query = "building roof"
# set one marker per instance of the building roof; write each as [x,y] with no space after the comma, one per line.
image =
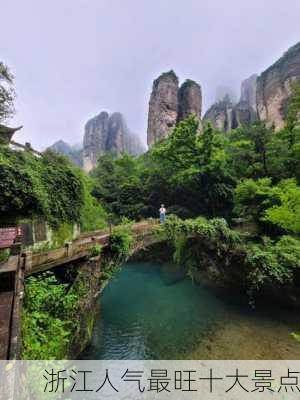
[7,132]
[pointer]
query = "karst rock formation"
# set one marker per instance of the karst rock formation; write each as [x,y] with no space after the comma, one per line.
[170,103]
[108,134]
[263,97]
[274,87]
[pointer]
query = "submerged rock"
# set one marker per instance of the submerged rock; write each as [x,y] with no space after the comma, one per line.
[172,273]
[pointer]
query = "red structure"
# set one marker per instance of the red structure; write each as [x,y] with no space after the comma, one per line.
[8,236]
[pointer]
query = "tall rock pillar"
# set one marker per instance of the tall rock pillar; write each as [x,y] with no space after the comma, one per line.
[189,100]
[163,107]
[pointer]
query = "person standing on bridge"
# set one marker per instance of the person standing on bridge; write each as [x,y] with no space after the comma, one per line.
[162,214]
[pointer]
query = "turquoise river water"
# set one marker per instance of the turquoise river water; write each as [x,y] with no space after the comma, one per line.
[145,314]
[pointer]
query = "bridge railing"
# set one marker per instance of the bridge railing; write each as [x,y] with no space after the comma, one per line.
[21,265]
[77,248]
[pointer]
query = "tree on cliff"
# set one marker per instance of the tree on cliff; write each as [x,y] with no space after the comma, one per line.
[292,117]
[198,165]
[249,148]
[7,94]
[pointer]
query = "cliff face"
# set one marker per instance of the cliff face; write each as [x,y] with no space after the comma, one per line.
[104,134]
[170,104]
[245,111]
[221,115]
[189,100]
[225,115]
[262,98]
[117,131]
[94,141]
[163,107]
[274,87]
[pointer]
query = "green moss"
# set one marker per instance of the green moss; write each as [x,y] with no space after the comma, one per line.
[90,320]
[4,255]
[95,250]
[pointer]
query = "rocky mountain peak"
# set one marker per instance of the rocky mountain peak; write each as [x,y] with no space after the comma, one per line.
[170,104]
[248,90]
[163,107]
[74,153]
[221,114]
[108,133]
[169,76]
[245,111]
[189,100]
[274,87]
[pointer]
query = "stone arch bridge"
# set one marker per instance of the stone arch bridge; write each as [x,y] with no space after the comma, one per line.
[22,264]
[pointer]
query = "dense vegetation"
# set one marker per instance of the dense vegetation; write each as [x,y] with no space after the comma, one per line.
[49,319]
[55,302]
[49,187]
[119,249]
[235,200]
[229,256]
[248,177]
[240,174]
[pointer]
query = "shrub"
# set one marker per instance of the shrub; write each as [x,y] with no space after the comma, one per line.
[121,240]
[46,186]
[4,255]
[95,250]
[287,214]
[49,318]
[50,187]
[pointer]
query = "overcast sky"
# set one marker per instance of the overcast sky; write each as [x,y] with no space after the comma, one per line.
[75,58]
